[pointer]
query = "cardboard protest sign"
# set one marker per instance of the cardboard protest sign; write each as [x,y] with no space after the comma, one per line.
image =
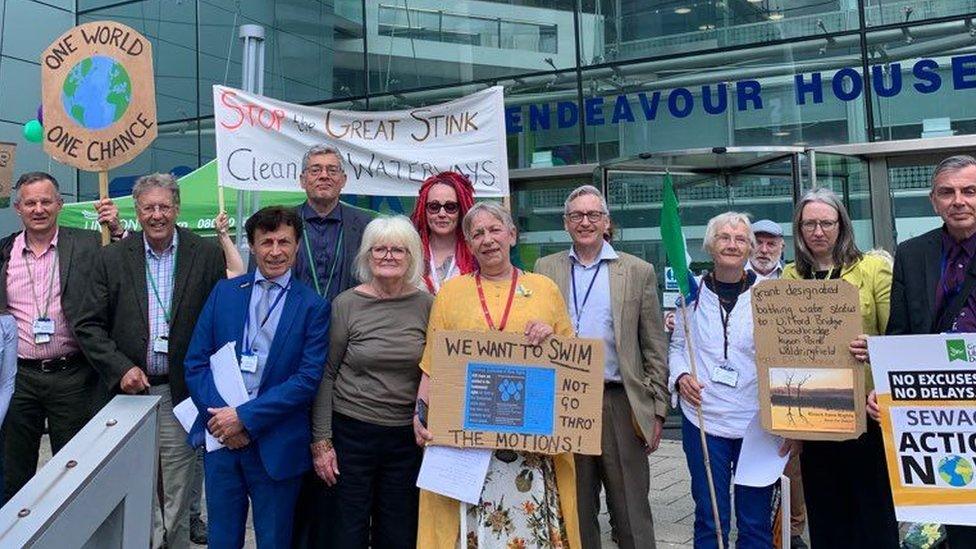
[99,96]
[810,387]
[926,388]
[7,155]
[494,390]
[261,141]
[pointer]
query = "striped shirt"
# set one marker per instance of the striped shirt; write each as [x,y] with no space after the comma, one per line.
[160,279]
[43,269]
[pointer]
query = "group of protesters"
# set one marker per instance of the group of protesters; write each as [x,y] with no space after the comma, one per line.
[332,330]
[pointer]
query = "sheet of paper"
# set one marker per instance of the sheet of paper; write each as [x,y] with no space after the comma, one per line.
[227,375]
[230,384]
[457,473]
[759,461]
[186,413]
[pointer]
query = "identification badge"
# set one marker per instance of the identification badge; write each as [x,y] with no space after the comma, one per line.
[161,345]
[725,376]
[249,363]
[44,326]
[41,338]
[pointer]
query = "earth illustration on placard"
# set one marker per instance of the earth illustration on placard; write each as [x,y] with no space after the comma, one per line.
[96,92]
[956,471]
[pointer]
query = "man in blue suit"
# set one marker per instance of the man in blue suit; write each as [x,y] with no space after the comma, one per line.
[280,329]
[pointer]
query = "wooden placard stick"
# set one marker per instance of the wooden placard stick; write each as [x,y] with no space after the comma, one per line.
[701,428]
[103,194]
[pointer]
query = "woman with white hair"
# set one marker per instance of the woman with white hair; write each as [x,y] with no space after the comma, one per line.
[726,388]
[363,415]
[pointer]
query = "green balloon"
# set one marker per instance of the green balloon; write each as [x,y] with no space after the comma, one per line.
[33,131]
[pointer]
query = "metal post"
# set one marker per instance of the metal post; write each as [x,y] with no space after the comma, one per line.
[252,80]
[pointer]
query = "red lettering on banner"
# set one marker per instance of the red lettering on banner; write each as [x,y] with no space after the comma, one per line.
[253,115]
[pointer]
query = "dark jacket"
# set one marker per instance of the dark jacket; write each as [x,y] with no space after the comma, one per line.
[917,274]
[113,329]
[77,249]
[354,221]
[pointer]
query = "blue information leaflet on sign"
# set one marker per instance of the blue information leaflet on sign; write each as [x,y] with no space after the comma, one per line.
[509,399]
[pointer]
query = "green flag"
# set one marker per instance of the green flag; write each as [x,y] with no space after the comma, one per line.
[673,238]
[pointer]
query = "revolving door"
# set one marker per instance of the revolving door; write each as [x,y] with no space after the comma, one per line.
[761,181]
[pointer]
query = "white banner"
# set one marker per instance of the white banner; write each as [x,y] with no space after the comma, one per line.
[260,143]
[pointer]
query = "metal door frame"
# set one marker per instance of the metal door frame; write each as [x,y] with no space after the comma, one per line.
[880,156]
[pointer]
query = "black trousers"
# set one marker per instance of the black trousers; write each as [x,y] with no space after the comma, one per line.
[315,514]
[64,398]
[961,537]
[847,494]
[376,495]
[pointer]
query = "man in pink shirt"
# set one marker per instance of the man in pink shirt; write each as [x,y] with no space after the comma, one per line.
[43,276]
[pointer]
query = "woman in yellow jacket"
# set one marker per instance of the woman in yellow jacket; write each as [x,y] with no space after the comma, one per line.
[846,487]
[528,500]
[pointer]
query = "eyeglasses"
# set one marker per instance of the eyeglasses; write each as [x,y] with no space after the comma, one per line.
[810,226]
[449,207]
[331,171]
[149,209]
[738,240]
[593,217]
[380,252]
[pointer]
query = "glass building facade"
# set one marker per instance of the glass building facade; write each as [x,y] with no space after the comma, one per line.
[587,82]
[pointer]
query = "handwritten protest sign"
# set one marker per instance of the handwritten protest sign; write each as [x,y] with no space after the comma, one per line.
[926,388]
[99,96]
[7,154]
[810,387]
[260,143]
[494,390]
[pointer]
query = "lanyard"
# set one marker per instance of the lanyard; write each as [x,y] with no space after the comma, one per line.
[433,283]
[724,315]
[311,262]
[508,306]
[247,317]
[152,282]
[50,287]
[577,308]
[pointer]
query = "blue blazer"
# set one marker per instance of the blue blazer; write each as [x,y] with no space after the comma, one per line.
[277,421]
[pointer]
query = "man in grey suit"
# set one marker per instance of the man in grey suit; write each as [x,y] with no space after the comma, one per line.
[44,270]
[612,296]
[145,295]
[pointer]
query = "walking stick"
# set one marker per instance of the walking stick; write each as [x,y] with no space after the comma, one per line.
[701,429]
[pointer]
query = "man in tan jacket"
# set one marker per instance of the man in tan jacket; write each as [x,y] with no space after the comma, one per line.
[613,296]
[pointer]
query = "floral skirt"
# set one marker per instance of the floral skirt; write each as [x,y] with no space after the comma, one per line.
[519,505]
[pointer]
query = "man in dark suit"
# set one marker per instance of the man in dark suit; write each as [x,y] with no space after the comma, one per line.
[933,289]
[43,273]
[279,327]
[331,235]
[617,304]
[145,295]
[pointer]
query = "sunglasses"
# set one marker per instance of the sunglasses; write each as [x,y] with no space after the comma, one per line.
[449,207]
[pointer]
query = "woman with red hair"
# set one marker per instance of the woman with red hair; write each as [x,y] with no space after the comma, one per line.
[444,199]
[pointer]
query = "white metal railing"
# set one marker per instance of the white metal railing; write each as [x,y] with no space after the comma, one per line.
[97,491]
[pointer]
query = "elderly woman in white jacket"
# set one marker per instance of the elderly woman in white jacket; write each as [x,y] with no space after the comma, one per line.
[720,327]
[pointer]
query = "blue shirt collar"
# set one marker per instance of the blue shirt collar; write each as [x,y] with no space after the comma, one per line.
[172,245]
[607,253]
[309,213]
[282,280]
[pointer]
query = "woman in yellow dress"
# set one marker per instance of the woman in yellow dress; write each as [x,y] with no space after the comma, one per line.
[528,500]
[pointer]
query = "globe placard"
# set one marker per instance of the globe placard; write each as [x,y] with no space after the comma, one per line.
[99,97]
